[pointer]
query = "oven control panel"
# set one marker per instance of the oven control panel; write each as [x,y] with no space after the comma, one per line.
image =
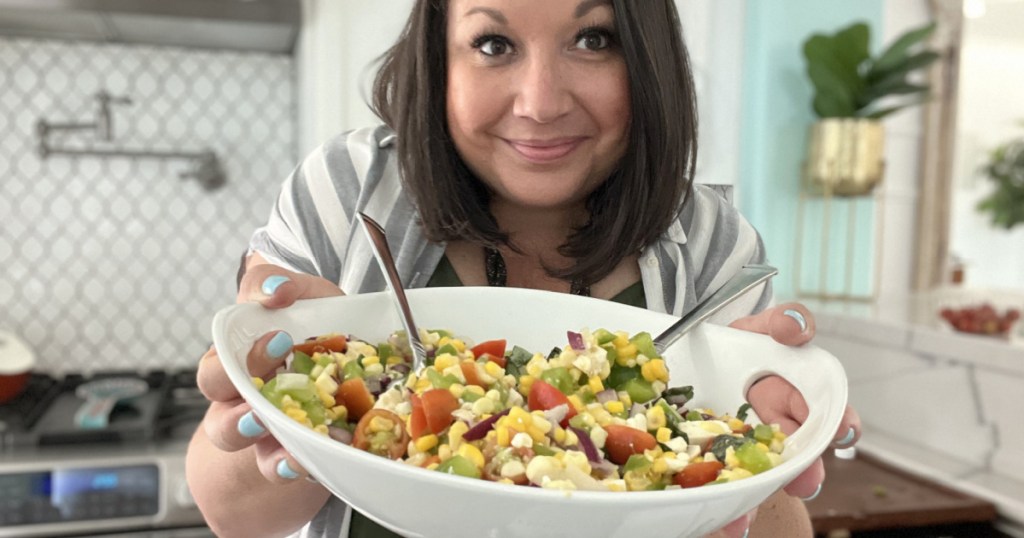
[65,494]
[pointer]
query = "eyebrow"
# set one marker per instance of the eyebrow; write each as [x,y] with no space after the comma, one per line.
[585,7]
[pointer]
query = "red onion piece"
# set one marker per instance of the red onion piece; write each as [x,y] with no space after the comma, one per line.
[556,414]
[340,434]
[587,444]
[607,395]
[576,341]
[480,429]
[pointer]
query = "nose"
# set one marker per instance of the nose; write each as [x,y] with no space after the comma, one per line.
[543,92]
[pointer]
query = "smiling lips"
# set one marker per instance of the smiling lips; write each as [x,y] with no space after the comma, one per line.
[545,151]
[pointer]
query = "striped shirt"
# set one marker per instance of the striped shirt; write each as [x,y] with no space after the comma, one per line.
[312,229]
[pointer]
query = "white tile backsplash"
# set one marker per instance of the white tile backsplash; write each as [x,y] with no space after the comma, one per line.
[118,263]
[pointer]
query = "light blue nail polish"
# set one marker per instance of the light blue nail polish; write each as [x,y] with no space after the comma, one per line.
[273,282]
[279,345]
[248,427]
[848,439]
[814,495]
[795,314]
[284,471]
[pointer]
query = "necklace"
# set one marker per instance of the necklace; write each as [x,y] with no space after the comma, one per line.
[497,273]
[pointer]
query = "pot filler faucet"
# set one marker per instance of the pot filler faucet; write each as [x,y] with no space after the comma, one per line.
[205,167]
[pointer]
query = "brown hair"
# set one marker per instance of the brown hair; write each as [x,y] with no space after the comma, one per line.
[627,212]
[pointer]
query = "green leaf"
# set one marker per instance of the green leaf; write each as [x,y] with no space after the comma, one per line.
[896,52]
[877,114]
[832,96]
[828,55]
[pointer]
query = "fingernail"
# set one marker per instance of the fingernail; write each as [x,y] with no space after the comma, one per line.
[849,437]
[284,471]
[273,282]
[279,345]
[813,495]
[796,315]
[248,427]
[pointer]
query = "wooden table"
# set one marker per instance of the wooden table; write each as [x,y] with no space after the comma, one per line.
[867,494]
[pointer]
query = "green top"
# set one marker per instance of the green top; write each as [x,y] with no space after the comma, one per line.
[445,276]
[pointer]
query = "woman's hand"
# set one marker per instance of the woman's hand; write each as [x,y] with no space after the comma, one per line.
[229,423]
[776,401]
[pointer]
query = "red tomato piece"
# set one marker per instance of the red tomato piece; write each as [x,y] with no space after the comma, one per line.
[544,396]
[438,405]
[417,420]
[697,474]
[494,348]
[394,448]
[624,441]
[354,395]
[336,343]
[469,372]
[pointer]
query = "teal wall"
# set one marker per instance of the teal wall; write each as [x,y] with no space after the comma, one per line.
[776,116]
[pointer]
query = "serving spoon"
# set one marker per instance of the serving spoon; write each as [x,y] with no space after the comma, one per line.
[746,279]
[381,251]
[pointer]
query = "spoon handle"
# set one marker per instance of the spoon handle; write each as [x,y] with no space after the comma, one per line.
[748,277]
[382,252]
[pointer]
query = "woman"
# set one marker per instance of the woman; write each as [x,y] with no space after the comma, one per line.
[529,143]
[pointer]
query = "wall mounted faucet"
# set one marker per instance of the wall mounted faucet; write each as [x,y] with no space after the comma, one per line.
[205,166]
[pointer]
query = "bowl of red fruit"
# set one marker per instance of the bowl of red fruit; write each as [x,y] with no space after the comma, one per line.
[982,318]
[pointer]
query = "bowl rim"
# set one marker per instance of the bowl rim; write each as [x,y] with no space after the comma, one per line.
[789,466]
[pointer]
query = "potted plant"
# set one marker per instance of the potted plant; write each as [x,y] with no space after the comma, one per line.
[1005,168]
[853,91]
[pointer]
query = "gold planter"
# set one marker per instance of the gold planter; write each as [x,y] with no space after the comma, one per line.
[845,156]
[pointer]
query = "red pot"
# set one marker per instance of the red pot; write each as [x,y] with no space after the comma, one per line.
[16,363]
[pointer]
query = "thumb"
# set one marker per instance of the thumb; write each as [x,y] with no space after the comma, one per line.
[790,323]
[277,287]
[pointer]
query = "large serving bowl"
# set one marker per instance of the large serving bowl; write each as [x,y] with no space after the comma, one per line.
[721,363]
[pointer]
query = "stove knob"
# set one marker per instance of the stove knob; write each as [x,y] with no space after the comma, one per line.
[183,496]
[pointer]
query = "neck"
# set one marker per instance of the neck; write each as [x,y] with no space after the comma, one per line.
[538,230]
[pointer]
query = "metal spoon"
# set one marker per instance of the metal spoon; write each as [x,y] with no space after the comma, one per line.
[748,277]
[382,252]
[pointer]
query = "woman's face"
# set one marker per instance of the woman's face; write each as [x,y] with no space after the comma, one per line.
[538,99]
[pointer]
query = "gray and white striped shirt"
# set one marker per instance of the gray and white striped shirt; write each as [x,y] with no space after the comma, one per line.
[312,230]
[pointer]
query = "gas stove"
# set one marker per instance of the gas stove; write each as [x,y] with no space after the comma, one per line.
[59,479]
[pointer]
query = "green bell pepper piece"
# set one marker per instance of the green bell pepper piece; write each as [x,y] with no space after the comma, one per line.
[559,378]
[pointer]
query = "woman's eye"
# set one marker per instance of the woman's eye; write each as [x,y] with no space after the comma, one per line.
[493,46]
[594,40]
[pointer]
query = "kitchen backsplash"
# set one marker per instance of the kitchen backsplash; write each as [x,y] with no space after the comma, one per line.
[115,262]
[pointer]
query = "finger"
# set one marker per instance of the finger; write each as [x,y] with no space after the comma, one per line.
[276,464]
[266,355]
[276,287]
[738,528]
[232,426]
[808,484]
[849,429]
[790,323]
[789,411]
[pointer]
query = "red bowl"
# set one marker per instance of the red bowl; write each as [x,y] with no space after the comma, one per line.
[12,385]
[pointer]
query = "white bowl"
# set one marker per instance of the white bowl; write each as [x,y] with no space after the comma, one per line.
[721,363]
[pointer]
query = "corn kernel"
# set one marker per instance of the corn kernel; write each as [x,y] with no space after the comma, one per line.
[444,452]
[621,339]
[560,436]
[394,359]
[595,384]
[321,429]
[615,406]
[459,345]
[479,391]
[762,447]
[444,361]
[455,433]
[660,466]
[627,351]
[433,466]
[576,402]
[625,399]
[663,435]
[340,413]
[297,414]
[457,389]
[493,369]
[525,382]
[372,359]
[472,453]
[380,424]
[258,381]
[656,418]
[735,424]
[504,436]
[426,443]
[654,370]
